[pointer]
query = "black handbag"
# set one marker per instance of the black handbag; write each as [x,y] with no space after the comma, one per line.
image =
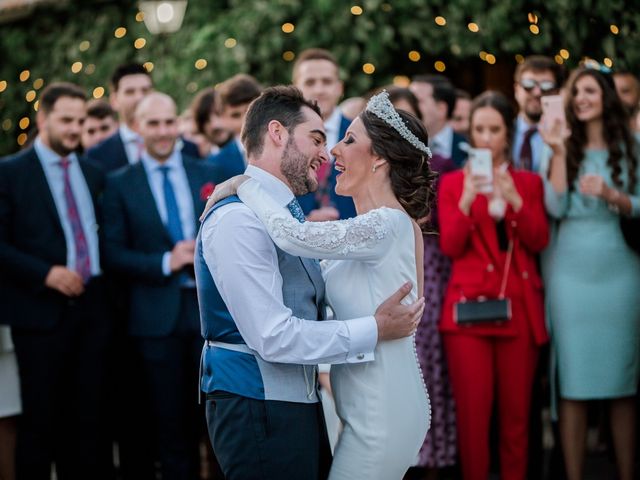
[484,311]
[631,232]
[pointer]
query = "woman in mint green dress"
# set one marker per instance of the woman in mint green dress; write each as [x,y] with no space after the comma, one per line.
[592,276]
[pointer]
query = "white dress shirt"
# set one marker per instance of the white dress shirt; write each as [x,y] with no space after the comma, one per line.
[536,145]
[132,143]
[244,263]
[54,174]
[182,190]
[442,142]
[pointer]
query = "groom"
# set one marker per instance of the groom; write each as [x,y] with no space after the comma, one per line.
[260,309]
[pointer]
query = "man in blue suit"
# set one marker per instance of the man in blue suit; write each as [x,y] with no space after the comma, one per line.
[437,100]
[236,93]
[316,73]
[129,84]
[52,294]
[151,210]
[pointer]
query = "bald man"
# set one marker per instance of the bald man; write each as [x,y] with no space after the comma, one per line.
[151,210]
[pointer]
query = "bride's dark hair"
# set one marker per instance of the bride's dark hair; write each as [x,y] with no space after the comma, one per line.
[411,176]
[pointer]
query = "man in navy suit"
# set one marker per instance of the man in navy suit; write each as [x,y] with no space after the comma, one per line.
[53,296]
[151,210]
[316,73]
[236,94]
[437,99]
[129,84]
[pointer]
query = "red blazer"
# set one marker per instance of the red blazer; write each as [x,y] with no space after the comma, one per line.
[478,263]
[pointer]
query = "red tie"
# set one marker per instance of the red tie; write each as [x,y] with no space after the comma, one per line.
[83,261]
[526,153]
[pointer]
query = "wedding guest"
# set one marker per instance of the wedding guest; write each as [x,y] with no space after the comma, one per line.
[628,88]
[205,110]
[316,73]
[492,239]
[101,122]
[53,294]
[439,448]
[437,98]
[460,117]
[593,181]
[536,76]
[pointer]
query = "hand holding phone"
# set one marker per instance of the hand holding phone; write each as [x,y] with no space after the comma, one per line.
[481,164]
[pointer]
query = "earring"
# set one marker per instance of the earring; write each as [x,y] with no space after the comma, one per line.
[373,169]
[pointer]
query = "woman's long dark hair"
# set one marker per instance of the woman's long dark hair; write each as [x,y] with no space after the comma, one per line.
[615,126]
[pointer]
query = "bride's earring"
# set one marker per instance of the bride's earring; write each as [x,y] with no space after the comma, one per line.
[373,169]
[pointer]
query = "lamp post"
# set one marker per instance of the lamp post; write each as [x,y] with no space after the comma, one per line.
[164,16]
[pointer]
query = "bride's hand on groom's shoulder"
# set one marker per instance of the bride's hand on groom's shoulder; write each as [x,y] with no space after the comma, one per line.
[222,191]
[396,320]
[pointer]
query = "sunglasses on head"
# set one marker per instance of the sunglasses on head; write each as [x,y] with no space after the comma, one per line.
[545,86]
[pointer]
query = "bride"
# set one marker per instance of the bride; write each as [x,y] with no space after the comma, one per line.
[383,162]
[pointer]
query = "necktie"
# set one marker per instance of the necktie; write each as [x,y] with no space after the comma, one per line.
[83,261]
[526,152]
[296,210]
[174,226]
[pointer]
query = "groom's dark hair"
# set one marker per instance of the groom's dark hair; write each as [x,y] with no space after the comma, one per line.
[281,103]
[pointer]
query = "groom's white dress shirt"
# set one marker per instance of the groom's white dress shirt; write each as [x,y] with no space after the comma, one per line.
[244,263]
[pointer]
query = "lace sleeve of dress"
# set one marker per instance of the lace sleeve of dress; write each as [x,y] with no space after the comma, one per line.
[365,237]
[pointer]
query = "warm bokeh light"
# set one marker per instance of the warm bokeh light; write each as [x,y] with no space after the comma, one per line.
[38,83]
[414,56]
[76,67]
[534,29]
[120,32]
[148,66]
[356,10]
[533,18]
[36,105]
[440,66]
[22,139]
[84,45]
[473,27]
[6,124]
[288,56]
[24,123]
[559,60]
[608,62]
[519,58]
[24,75]
[440,21]
[140,17]
[140,43]
[3,85]
[401,81]
[483,55]
[201,64]
[98,92]
[230,42]
[564,53]
[614,29]
[368,68]
[490,59]
[288,27]
[30,96]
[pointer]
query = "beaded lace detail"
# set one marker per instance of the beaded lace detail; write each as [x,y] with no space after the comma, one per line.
[341,237]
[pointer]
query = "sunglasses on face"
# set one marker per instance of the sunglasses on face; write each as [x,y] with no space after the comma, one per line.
[545,86]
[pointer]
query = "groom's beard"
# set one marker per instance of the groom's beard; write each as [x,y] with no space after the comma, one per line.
[295,168]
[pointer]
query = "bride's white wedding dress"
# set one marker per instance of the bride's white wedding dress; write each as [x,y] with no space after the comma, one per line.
[383,405]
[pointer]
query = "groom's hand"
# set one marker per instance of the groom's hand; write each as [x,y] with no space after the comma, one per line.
[396,320]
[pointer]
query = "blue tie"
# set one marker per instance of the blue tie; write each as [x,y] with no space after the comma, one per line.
[296,210]
[174,226]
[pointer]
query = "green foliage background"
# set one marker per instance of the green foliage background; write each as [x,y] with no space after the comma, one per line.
[47,43]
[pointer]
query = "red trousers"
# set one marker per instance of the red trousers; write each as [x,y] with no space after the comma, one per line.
[481,367]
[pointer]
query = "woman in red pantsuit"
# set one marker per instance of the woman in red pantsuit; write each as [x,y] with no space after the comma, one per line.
[493,360]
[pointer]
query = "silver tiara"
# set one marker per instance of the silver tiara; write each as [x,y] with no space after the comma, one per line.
[381,107]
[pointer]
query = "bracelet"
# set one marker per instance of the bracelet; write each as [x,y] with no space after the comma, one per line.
[613,206]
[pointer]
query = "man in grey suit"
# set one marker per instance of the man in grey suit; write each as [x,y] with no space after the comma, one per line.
[260,309]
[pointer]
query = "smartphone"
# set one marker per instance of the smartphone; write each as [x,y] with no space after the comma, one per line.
[481,164]
[552,110]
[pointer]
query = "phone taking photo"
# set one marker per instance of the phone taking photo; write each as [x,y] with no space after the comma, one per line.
[552,110]
[482,164]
